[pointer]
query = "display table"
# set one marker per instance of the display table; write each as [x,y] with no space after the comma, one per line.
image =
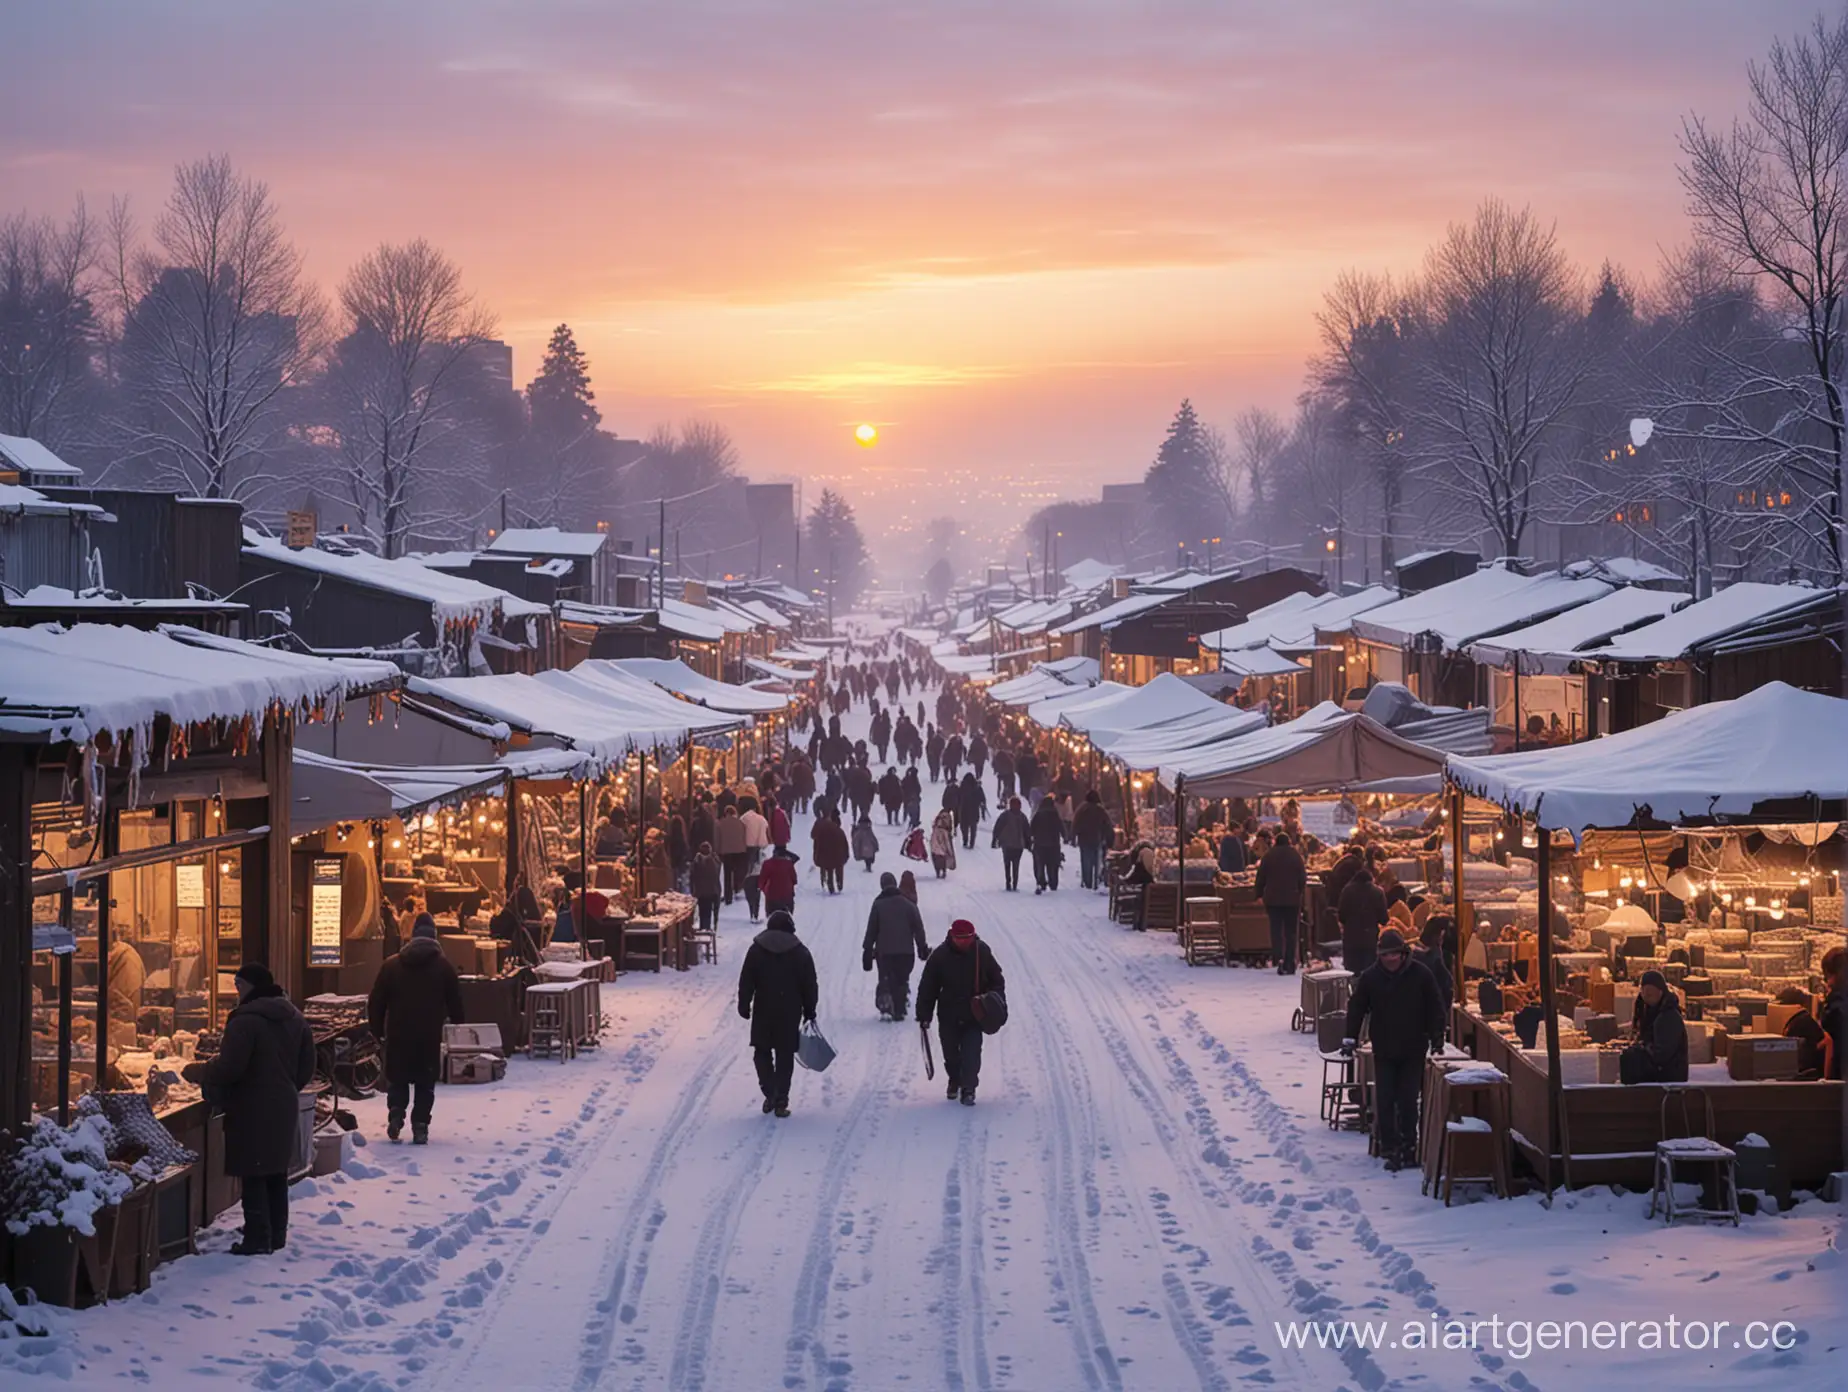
[498,1000]
[580,1007]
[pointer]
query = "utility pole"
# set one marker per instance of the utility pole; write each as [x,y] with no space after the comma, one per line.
[503,509]
[661,570]
[830,585]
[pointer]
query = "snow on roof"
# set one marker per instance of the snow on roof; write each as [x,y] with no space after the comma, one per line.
[1260,662]
[1551,646]
[1290,624]
[1475,606]
[1112,614]
[599,615]
[1088,573]
[548,541]
[1035,616]
[1325,750]
[671,674]
[22,501]
[80,682]
[324,790]
[1164,699]
[724,620]
[1046,679]
[452,598]
[968,664]
[30,457]
[1420,557]
[920,635]
[763,613]
[778,672]
[1088,699]
[689,621]
[1625,570]
[1716,761]
[1149,747]
[59,598]
[1703,622]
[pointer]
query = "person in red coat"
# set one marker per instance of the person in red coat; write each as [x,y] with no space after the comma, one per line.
[777,881]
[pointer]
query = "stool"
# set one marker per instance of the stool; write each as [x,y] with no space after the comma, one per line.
[1464,1124]
[1340,1107]
[705,943]
[642,942]
[1690,1149]
[1471,1155]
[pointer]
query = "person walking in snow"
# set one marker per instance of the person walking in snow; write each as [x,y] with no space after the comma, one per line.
[960,968]
[970,807]
[777,993]
[706,883]
[1003,764]
[1048,840]
[1012,835]
[1401,998]
[894,931]
[832,852]
[933,753]
[943,843]
[1093,831]
[912,790]
[865,842]
[414,995]
[777,880]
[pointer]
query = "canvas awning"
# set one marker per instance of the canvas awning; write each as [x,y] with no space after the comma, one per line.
[673,675]
[1706,622]
[1552,646]
[1046,679]
[324,791]
[1150,748]
[1164,699]
[778,672]
[1326,750]
[1775,752]
[1486,602]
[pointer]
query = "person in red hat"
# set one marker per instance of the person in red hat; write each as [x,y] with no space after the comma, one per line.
[957,971]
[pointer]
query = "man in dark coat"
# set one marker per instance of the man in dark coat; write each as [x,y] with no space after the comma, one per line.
[1012,833]
[912,792]
[415,992]
[894,931]
[1047,830]
[1362,911]
[1353,860]
[933,752]
[1401,999]
[1831,1016]
[263,1062]
[777,992]
[1281,882]
[960,969]
[1027,771]
[1004,772]
[978,754]
[971,807]
[891,796]
[1660,1054]
[1092,828]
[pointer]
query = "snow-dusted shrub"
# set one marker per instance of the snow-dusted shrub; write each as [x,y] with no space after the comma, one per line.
[60,1176]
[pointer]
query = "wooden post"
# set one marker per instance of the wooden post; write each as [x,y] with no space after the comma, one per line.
[287,949]
[1465,931]
[1544,864]
[581,910]
[1180,834]
[18,770]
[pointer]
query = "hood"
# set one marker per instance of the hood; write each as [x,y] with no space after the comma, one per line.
[892,892]
[420,952]
[277,1008]
[776,940]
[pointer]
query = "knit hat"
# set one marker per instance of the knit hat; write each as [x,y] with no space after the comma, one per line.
[1392,940]
[424,927]
[256,976]
[962,930]
[1653,978]
[780,922]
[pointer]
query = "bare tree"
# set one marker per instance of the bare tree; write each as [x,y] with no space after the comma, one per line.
[1502,369]
[48,324]
[1259,437]
[218,323]
[396,374]
[1772,194]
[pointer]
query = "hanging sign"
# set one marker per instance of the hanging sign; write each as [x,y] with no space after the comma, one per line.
[324,942]
[189,885]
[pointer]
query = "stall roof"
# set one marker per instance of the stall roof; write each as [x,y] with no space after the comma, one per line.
[778,672]
[1326,750]
[56,599]
[1336,614]
[1164,699]
[1191,734]
[1261,625]
[671,674]
[1112,614]
[1704,622]
[1550,647]
[1259,662]
[22,501]
[76,683]
[763,613]
[1046,679]
[1034,615]
[324,790]
[600,615]
[920,635]
[1088,574]
[452,598]
[1488,601]
[1047,711]
[548,541]
[1727,761]
[968,664]
[689,621]
[30,457]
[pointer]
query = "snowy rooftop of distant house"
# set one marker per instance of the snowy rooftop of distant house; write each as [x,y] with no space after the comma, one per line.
[1484,602]
[1625,570]
[78,682]
[452,598]
[1034,615]
[30,457]
[55,597]
[1704,622]
[548,541]
[22,501]
[1088,574]
[601,615]
[1290,623]
[1551,646]
[695,622]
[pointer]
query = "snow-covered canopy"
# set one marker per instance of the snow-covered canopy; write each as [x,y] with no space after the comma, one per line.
[920,635]
[1325,750]
[548,541]
[1046,679]
[765,616]
[56,597]
[1034,616]
[452,598]
[1259,662]
[1488,601]
[1047,711]
[1551,646]
[1335,614]
[324,790]
[1153,745]
[600,615]
[29,457]
[1164,699]
[89,680]
[1112,614]
[1625,570]
[1453,729]
[1088,574]
[799,652]
[1703,622]
[968,664]
[671,674]
[689,621]
[778,672]
[1720,762]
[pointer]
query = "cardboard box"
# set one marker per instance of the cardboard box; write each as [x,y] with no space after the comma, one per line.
[1760,1057]
[1603,997]
[472,1038]
[475,1068]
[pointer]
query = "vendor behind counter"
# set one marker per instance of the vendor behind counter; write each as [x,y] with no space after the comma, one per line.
[1660,1053]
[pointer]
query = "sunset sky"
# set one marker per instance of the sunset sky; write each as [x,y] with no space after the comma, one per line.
[1012,234]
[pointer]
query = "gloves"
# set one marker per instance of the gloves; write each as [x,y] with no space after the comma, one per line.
[808,1018]
[744,1012]
[1347,1048]
[866,962]
[923,956]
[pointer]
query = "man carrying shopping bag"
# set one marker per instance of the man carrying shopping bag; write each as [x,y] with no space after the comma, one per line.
[777,993]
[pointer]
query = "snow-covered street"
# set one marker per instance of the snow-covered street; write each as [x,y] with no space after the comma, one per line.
[1142,1194]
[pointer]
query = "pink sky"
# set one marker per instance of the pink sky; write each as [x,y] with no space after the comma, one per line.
[1015,235]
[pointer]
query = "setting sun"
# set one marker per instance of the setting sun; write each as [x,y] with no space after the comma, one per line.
[867,435]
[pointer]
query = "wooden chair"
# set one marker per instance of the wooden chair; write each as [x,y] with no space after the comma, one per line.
[643,942]
[1161,906]
[705,943]
[1690,1149]
[1203,933]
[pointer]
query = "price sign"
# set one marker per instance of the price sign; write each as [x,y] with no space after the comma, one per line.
[189,886]
[324,941]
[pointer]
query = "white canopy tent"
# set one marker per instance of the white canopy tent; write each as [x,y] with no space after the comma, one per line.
[1164,699]
[1486,602]
[1773,752]
[1550,647]
[1046,679]
[776,671]
[673,675]
[1704,621]
[1047,712]
[1325,750]
[1148,748]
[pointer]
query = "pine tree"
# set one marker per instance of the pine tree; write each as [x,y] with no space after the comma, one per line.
[562,404]
[837,549]
[1181,491]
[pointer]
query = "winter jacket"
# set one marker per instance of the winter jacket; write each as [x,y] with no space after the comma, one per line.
[1362,913]
[1405,1008]
[865,842]
[1091,825]
[415,993]
[1662,1031]
[949,980]
[728,836]
[1012,830]
[1003,764]
[263,1062]
[971,801]
[1434,962]
[777,990]
[830,841]
[706,880]
[756,830]
[1282,878]
[943,839]
[1831,1020]
[779,826]
[894,927]
[1233,858]
[891,791]
[776,879]
[1342,875]
[1027,770]
[701,829]
[1047,830]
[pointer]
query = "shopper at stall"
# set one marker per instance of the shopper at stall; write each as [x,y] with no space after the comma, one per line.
[728,839]
[1003,764]
[1234,855]
[264,1060]
[777,880]
[959,969]
[415,993]
[1281,883]
[1362,912]
[1399,1000]
[1092,829]
[894,932]
[777,993]
[1660,1053]
[706,883]
[1046,834]
[1834,971]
